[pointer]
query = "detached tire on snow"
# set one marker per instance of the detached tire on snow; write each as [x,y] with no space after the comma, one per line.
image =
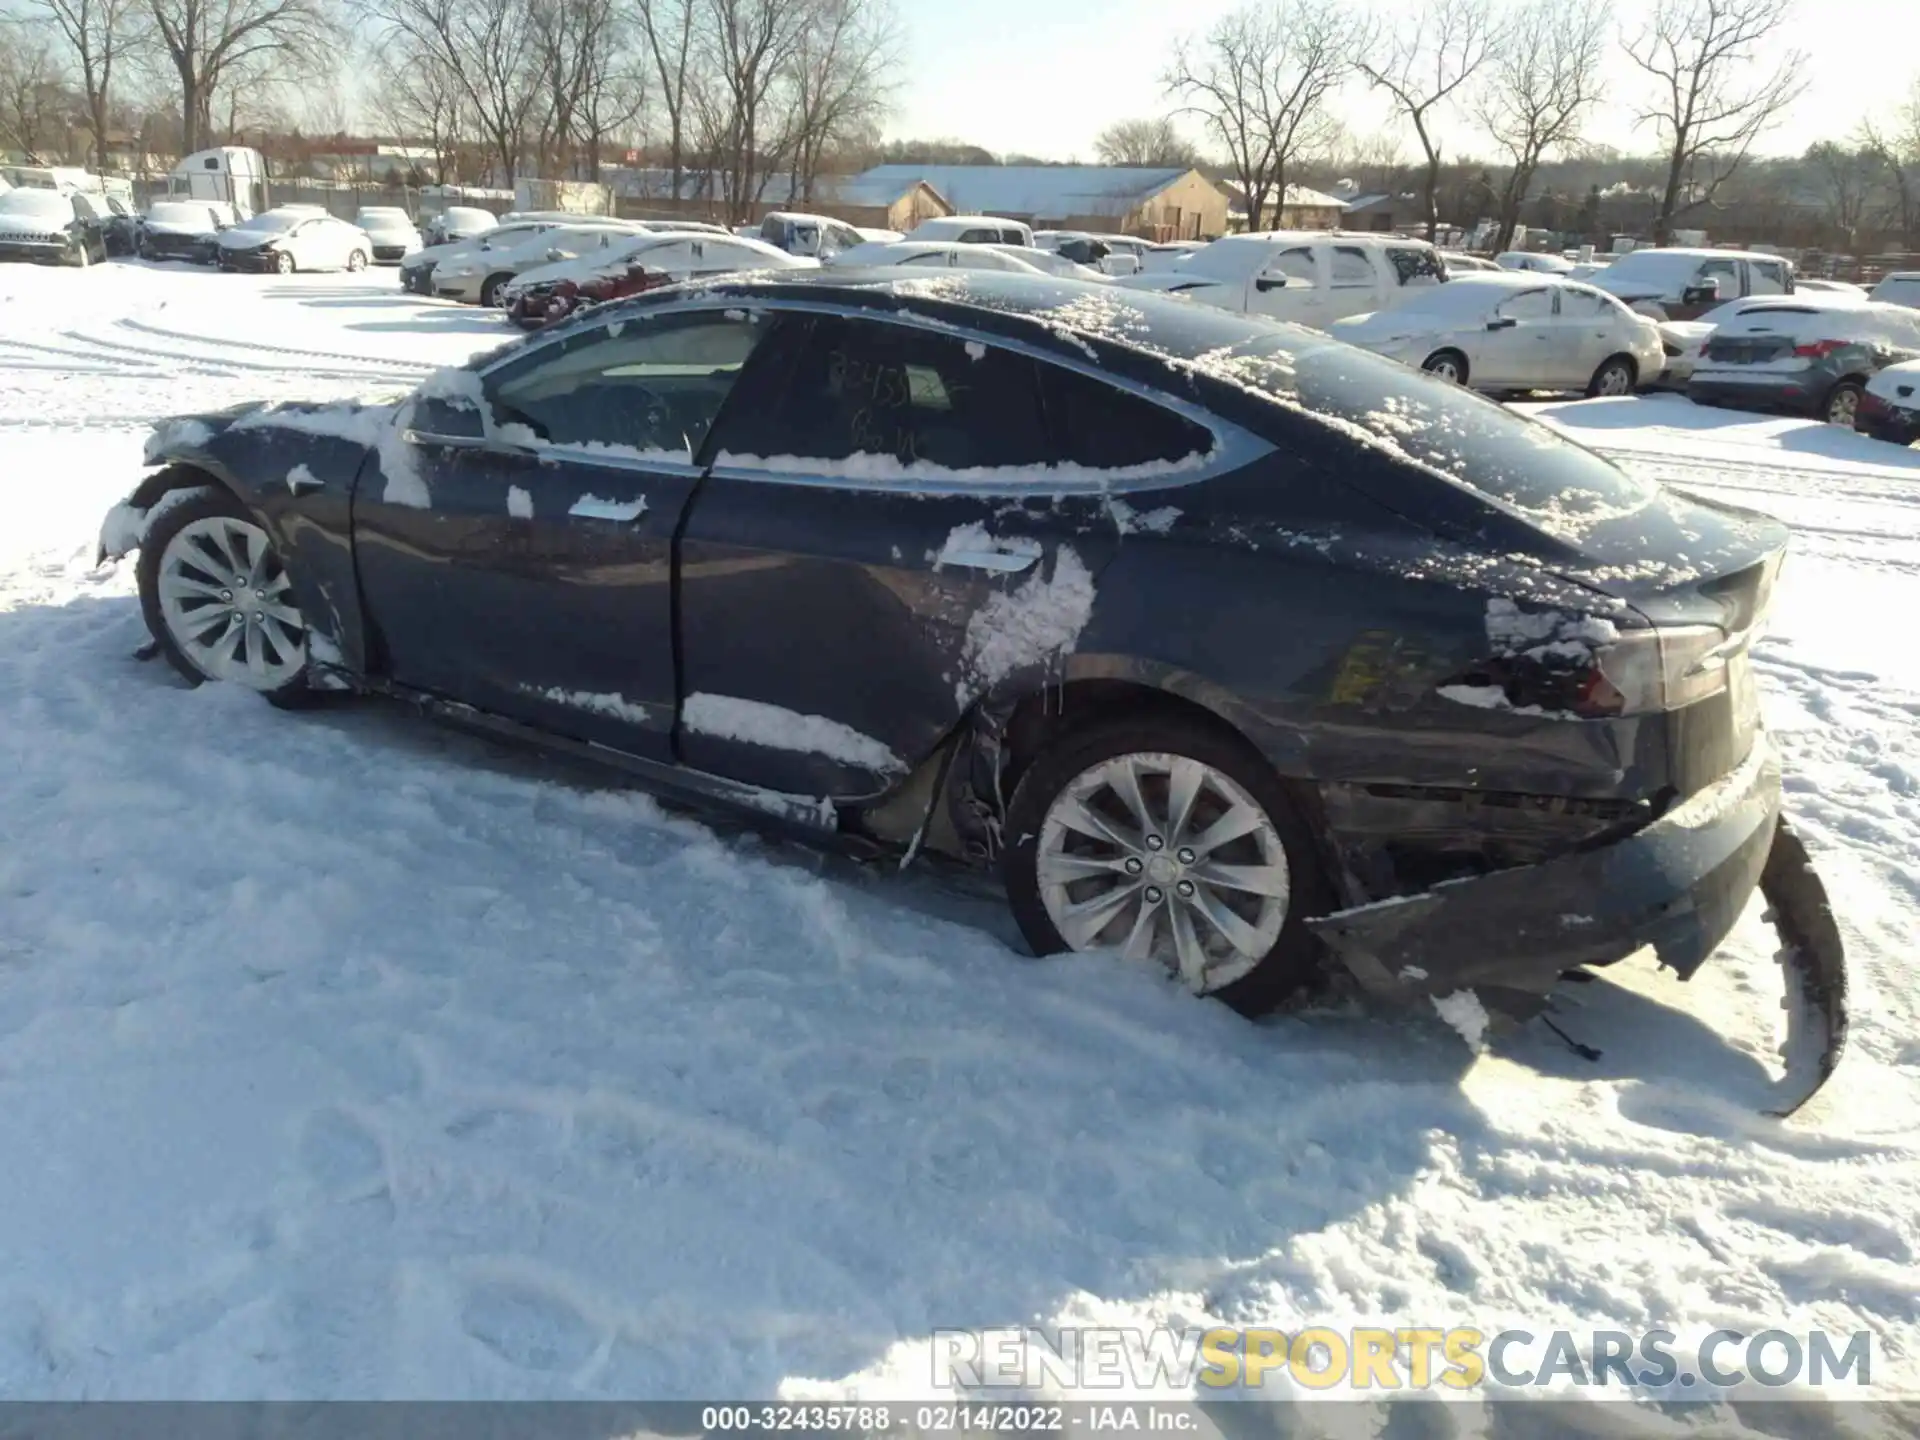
[217,599]
[1173,843]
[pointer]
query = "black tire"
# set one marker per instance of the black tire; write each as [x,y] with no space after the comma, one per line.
[1448,365]
[490,290]
[1615,365]
[201,502]
[1842,404]
[1296,957]
[283,263]
[357,261]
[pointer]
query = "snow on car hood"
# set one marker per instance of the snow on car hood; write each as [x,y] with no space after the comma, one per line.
[180,227]
[1898,384]
[31,226]
[238,237]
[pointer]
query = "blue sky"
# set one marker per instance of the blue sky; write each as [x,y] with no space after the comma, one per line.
[1045,76]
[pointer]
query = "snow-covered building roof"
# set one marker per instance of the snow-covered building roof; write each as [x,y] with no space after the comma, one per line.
[1044,192]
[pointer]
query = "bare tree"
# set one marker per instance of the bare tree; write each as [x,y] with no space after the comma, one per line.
[32,99]
[1426,66]
[1154,141]
[205,42]
[1710,101]
[840,81]
[668,29]
[486,49]
[1895,150]
[750,45]
[1847,175]
[96,33]
[1544,79]
[1260,80]
[415,93]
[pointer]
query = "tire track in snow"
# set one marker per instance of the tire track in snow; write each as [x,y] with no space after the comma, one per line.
[237,344]
[237,366]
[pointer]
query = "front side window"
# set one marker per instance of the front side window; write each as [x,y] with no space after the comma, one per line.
[1527,305]
[1296,267]
[979,237]
[1352,270]
[657,385]
[1414,265]
[865,396]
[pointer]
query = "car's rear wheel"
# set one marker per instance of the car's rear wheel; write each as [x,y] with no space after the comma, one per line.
[283,262]
[217,597]
[1175,845]
[1448,365]
[1616,376]
[1843,403]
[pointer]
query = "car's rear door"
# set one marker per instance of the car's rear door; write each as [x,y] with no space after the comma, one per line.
[524,565]
[1524,347]
[880,540]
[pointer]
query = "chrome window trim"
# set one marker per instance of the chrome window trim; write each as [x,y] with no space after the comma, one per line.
[1234,446]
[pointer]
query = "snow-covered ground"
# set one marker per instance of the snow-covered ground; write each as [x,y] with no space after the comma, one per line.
[344,1056]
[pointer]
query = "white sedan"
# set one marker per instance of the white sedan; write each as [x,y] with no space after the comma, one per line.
[392,232]
[291,239]
[480,274]
[1515,330]
[939,255]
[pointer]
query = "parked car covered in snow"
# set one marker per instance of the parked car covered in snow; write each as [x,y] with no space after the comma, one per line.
[416,271]
[816,235]
[1460,263]
[1685,341]
[1811,361]
[1804,286]
[973,230]
[1461,678]
[183,229]
[1678,284]
[391,230]
[482,270]
[1890,407]
[550,293]
[1515,330]
[1534,260]
[938,255]
[1305,277]
[1902,287]
[292,238]
[49,227]
[456,222]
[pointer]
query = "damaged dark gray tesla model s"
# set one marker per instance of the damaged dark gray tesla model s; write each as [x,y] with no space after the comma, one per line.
[1234,648]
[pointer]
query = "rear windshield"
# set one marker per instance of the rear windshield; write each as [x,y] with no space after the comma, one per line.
[1473,442]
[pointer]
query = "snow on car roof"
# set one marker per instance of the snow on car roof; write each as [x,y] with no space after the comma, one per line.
[1475,289]
[1869,320]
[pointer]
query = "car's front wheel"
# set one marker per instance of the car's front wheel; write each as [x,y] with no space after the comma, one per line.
[1843,403]
[1616,376]
[283,262]
[217,597]
[1171,843]
[357,260]
[490,289]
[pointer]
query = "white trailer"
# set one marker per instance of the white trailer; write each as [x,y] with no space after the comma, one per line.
[231,173]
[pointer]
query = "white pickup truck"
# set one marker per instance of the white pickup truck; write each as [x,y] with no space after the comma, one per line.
[1307,277]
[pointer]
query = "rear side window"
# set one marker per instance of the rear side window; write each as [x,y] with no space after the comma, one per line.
[1352,270]
[852,389]
[1416,266]
[1769,277]
[1527,305]
[1106,428]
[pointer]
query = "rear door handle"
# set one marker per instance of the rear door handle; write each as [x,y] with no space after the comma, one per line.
[1007,562]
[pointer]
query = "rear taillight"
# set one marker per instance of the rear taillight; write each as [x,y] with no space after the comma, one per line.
[1818,349]
[1636,672]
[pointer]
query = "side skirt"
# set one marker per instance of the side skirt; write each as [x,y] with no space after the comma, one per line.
[814,819]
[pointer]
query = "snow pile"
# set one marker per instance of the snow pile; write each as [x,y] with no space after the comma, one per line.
[301,478]
[1546,634]
[1037,623]
[753,722]
[519,503]
[1137,522]
[1061,476]
[1464,1012]
[173,435]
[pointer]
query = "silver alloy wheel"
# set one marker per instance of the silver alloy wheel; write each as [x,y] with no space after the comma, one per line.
[1168,859]
[283,262]
[1446,367]
[226,602]
[1843,406]
[1614,380]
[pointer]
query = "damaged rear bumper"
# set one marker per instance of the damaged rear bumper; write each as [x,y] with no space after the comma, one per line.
[1677,884]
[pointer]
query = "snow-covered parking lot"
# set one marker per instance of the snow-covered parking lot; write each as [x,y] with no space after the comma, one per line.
[341,1055]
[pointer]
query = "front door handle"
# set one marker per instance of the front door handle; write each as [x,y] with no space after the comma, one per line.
[1006,562]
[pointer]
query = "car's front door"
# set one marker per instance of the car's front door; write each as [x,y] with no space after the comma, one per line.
[522,559]
[883,538]
[1289,285]
[1517,349]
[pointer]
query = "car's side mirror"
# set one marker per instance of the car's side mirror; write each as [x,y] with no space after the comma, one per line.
[556,254]
[1502,322]
[1270,282]
[1701,292]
